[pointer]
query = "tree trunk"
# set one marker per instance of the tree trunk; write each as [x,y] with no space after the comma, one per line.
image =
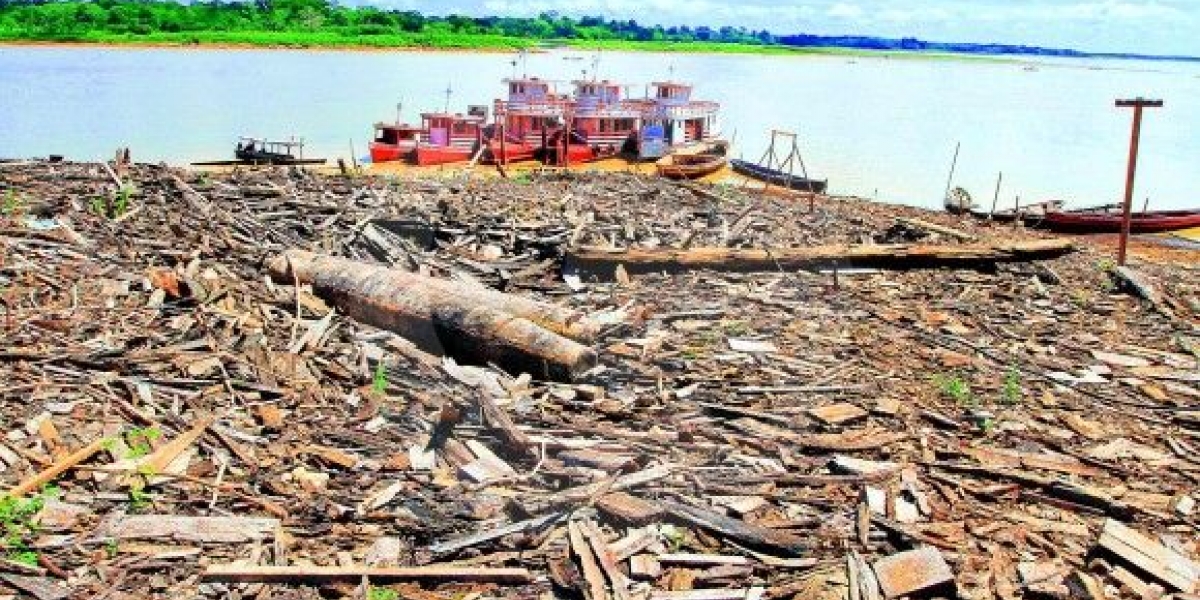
[469,323]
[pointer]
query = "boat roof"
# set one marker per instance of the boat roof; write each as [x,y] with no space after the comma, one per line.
[454,116]
[673,84]
[602,83]
[382,125]
[526,80]
[292,142]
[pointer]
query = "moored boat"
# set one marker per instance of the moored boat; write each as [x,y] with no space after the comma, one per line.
[526,120]
[450,137]
[779,178]
[672,118]
[1111,222]
[394,141]
[693,162]
[260,151]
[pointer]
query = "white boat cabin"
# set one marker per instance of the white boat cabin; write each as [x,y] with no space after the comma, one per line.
[672,118]
[451,129]
[601,116]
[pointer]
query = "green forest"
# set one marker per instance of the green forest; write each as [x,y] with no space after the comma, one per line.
[308,23]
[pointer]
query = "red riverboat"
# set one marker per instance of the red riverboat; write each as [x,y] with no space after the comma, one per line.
[394,141]
[448,138]
[1110,222]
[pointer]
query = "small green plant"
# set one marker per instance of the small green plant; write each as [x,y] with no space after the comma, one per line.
[521,178]
[382,594]
[111,547]
[1011,392]
[16,517]
[737,328]
[379,381]
[139,498]
[956,388]
[121,205]
[13,204]
[139,440]
[1106,265]
[986,426]
[99,206]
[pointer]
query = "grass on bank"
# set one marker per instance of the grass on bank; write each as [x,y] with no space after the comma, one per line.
[478,42]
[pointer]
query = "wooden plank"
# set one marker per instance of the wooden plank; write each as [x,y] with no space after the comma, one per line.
[192,529]
[912,571]
[702,560]
[457,544]
[230,573]
[602,262]
[1164,564]
[58,468]
[628,509]
[596,590]
[754,536]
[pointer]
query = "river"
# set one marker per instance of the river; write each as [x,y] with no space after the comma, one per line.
[876,127]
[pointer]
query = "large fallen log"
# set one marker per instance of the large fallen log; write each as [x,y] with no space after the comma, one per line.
[602,263]
[306,266]
[465,322]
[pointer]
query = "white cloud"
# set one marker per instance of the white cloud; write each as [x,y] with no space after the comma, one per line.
[841,10]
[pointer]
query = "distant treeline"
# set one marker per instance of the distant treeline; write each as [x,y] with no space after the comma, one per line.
[76,20]
[325,23]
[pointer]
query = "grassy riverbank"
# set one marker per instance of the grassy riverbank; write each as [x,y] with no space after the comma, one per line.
[322,24]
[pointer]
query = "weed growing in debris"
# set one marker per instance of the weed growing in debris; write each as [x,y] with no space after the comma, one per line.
[737,328]
[379,382]
[139,440]
[13,204]
[139,498]
[956,388]
[1106,265]
[110,548]
[111,209]
[121,204]
[16,516]
[521,178]
[1011,392]
[382,594]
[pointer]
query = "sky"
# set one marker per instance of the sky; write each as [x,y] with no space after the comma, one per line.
[1140,26]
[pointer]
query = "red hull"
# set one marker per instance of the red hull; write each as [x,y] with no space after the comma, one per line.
[513,152]
[389,152]
[1151,222]
[440,155]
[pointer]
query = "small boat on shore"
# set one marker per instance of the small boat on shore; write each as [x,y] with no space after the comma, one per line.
[779,178]
[394,141]
[1096,221]
[257,151]
[693,162]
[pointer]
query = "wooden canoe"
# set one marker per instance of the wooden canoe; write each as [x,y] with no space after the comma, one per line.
[1110,222]
[689,166]
[778,178]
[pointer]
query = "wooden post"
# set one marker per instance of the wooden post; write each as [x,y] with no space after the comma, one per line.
[1138,104]
[503,146]
[1016,211]
[996,197]
[950,177]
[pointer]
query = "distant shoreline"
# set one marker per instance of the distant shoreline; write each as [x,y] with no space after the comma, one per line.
[603,45]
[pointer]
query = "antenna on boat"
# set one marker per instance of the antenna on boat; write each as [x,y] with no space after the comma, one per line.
[524,57]
[449,92]
[595,65]
[399,111]
[671,72]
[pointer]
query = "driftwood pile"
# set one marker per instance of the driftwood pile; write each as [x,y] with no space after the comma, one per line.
[276,384]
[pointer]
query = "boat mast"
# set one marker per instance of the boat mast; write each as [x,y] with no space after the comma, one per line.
[449,92]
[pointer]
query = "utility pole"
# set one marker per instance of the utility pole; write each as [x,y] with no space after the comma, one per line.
[1137,104]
